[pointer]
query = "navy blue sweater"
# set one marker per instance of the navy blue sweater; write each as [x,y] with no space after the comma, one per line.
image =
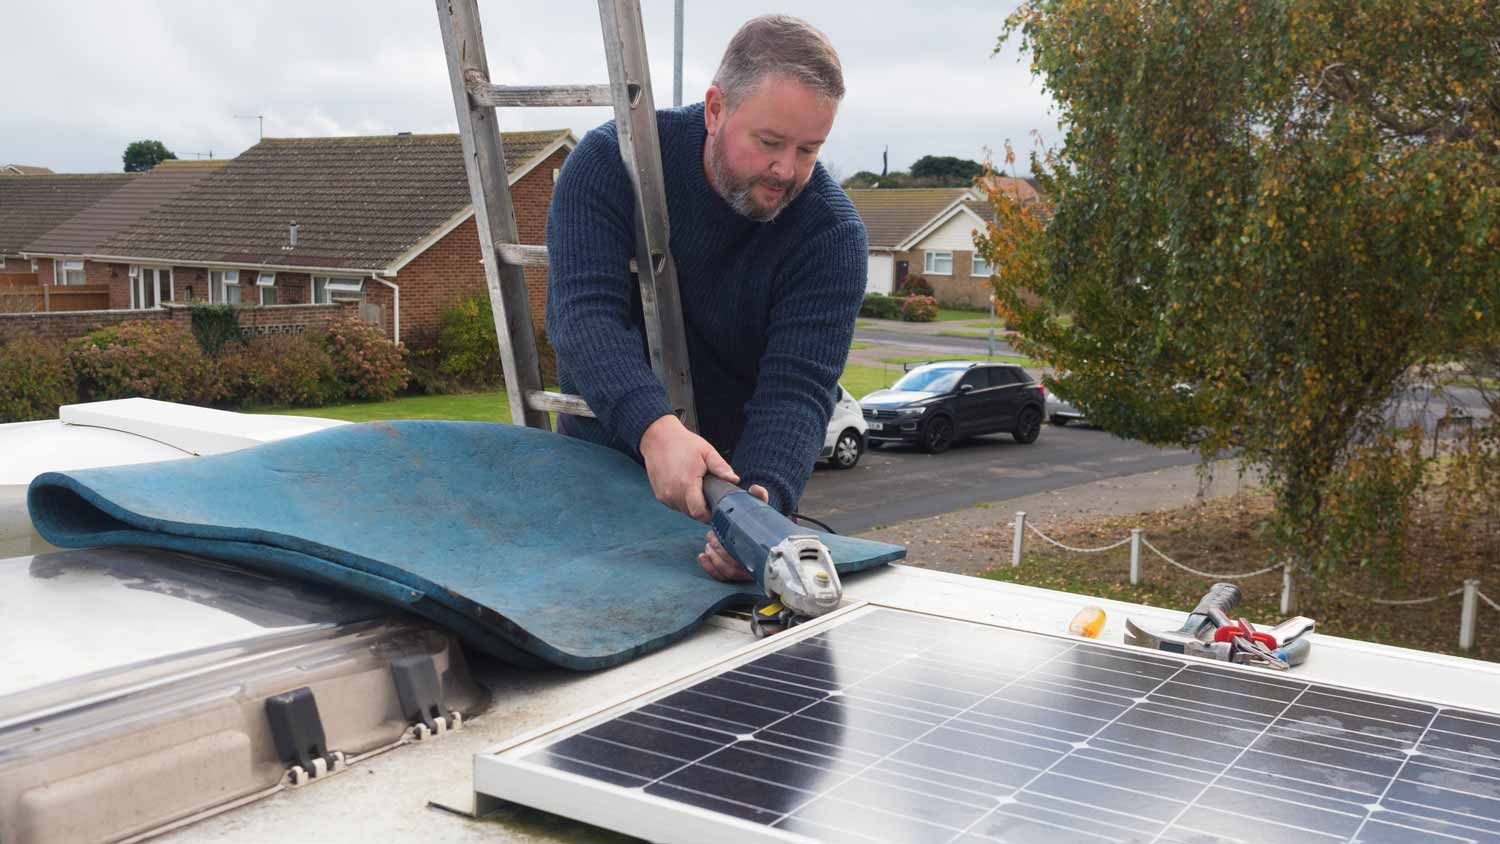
[769,308]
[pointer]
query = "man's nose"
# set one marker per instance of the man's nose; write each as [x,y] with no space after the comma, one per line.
[784,165]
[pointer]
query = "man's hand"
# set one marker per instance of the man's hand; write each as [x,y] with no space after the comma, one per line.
[716,561]
[676,462]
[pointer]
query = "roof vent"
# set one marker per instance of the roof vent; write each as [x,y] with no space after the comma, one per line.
[403,134]
[292,236]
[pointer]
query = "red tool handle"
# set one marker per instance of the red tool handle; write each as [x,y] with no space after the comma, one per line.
[1230,632]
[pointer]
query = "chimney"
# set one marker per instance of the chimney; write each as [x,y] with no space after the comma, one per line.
[293,235]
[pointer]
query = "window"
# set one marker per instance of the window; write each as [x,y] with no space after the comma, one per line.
[981,267]
[67,272]
[34,266]
[224,287]
[1004,376]
[2,262]
[328,290]
[938,263]
[147,284]
[978,378]
[266,284]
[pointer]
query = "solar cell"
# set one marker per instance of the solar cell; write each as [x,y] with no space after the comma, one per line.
[889,726]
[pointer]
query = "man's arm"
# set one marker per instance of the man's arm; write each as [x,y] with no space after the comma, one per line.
[811,326]
[591,323]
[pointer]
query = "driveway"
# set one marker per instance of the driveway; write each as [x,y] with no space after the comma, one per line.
[897,483]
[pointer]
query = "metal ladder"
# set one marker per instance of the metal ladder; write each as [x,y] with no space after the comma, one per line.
[475,98]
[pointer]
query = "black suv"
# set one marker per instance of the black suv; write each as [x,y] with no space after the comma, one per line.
[936,404]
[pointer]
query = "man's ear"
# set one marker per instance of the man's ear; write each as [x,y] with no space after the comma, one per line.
[713,109]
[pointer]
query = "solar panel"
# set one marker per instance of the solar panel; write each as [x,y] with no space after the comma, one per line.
[886,725]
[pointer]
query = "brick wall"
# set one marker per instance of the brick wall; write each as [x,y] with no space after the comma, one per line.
[280,319]
[451,269]
[961,289]
[15,264]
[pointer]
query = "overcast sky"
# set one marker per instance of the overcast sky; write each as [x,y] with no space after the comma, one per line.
[920,76]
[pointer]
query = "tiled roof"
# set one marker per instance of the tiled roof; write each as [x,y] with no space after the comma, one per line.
[24,170]
[892,215]
[32,205]
[359,202]
[118,211]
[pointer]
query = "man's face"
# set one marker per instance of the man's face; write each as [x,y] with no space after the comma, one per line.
[760,156]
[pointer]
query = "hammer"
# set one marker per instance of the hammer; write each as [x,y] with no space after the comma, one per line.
[1211,613]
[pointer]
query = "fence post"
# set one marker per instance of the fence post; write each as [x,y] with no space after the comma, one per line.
[1466,617]
[1135,556]
[1015,548]
[1288,593]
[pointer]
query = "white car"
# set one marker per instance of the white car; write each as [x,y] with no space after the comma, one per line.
[845,441]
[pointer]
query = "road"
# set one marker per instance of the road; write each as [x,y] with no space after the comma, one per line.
[897,483]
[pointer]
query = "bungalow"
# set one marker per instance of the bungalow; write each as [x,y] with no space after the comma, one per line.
[930,232]
[59,253]
[382,221]
[31,205]
[24,170]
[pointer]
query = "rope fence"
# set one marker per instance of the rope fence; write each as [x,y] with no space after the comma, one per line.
[1137,540]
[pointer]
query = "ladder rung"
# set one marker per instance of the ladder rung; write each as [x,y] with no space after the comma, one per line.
[538,96]
[521,254]
[557,402]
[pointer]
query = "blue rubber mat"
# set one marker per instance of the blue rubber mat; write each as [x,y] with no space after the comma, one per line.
[533,547]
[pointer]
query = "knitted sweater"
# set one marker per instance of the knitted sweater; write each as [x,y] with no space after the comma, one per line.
[769,308]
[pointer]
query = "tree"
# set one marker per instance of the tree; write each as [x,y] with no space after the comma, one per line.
[957,172]
[143,155]
[1265,219]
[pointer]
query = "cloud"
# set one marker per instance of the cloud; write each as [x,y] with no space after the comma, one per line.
[920,76]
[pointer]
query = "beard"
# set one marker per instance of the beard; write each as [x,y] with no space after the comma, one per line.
[737,191]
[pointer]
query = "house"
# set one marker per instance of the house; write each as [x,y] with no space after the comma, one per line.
[24,170]
[32,205]
[930,232]
[58,254]
[382,221]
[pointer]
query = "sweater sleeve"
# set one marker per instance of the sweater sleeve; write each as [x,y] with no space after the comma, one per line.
[591,292]
[812,323]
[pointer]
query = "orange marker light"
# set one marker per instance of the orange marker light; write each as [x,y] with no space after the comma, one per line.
[1087,623]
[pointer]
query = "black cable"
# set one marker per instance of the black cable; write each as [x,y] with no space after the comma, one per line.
[801,518]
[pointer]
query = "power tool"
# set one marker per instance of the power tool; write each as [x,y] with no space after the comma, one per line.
[792,567]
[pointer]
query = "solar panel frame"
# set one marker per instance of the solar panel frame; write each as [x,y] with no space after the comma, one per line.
[1288,705]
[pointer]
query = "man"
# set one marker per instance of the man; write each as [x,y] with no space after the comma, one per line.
[771,264]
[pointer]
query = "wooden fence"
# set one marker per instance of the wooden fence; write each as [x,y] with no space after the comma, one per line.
[22,293]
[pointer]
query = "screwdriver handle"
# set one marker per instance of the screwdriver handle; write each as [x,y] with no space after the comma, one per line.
[1295,653]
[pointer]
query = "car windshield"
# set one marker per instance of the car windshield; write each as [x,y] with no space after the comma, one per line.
[936,379]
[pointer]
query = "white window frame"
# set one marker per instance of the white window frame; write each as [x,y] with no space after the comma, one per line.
[2,262]
[337,288]
[929,261]
[60,270]
[34,265]
[979,267]
[137,288]
[218,294]
[262,281]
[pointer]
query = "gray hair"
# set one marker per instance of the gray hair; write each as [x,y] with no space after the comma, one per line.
[778,45]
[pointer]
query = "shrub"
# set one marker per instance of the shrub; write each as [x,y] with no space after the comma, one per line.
[279,371]
[157,360]
[914,285]
[424,360]
[919,309]
[877,306]
[215,325]
[34,380]
[467,343]
[370,367]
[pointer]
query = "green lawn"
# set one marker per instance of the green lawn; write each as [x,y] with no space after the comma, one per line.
[856,345]
[996,359]
[956,315]
[494,406]
[470,407]
[864,323]
[974,335]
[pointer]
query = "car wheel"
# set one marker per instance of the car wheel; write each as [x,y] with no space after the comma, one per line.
[846,451]
[938,435]
[1029,426]
[1059,421]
